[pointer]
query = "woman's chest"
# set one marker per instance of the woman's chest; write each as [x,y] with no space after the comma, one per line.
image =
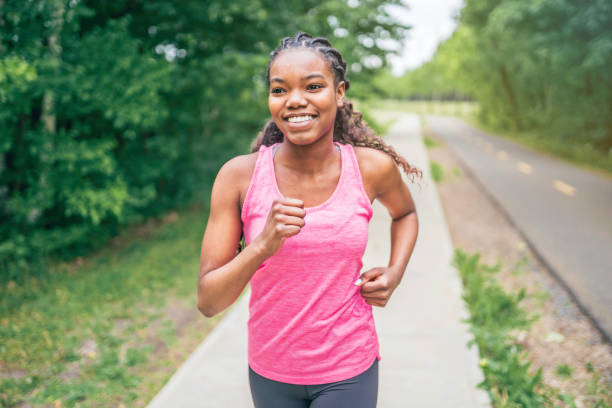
[313,192]
[339,228]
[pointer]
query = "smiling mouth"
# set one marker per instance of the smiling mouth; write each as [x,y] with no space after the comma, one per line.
[300,119]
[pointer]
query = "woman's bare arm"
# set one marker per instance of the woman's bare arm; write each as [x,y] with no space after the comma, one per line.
[386,185]
[394,194]
[223,274]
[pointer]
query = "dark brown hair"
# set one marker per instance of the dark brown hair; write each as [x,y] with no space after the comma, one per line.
[349,126]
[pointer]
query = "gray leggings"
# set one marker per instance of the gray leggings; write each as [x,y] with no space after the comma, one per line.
[360,391]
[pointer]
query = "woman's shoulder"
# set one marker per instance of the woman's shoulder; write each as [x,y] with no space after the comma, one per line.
[375,167]
[237,172]
[372,162]
[239,167]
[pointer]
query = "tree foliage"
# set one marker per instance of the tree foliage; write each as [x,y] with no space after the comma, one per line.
[116,111]
[541,64]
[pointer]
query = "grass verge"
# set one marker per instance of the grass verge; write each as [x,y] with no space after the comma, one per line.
[380,124]
[109,329]
[436,170]
[495,317]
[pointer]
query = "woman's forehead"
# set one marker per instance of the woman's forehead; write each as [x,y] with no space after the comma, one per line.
[299,61]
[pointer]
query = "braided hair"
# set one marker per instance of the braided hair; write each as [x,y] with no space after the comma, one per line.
[349,126]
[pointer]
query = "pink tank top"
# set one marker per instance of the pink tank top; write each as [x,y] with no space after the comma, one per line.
[308,323]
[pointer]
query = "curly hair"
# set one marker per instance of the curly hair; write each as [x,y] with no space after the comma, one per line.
[349,126]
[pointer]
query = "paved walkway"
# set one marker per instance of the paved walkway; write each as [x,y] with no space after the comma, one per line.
[425,361]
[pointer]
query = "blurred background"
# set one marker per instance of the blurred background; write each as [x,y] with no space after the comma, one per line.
[115,117]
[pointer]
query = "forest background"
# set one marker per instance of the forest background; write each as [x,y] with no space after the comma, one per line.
[116,116]
[115,112]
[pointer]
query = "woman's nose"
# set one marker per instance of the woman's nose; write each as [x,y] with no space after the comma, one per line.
[295,99]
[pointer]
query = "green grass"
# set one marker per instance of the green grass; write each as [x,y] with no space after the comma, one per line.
[597,388]
[380,125]
[111,302]
[461,109]
[437,171]
[494,315]
[563,370]
[429,142]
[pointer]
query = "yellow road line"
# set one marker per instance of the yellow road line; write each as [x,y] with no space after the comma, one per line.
[564,188]
[502,155]
[524,167]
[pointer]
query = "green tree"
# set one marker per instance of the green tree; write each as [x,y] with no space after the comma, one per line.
[540,65]
[116,111]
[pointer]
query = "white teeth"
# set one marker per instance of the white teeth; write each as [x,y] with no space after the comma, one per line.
[299,118]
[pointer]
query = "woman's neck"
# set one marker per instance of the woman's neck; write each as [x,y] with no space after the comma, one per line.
[307,160]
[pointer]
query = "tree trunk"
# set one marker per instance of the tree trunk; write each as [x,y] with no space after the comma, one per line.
[48,115]
[511,96]
[55,50]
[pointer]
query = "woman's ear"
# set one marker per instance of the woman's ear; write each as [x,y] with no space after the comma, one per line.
[340,94]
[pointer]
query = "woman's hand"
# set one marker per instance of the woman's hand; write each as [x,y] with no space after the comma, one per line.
[285,218]
[377,285]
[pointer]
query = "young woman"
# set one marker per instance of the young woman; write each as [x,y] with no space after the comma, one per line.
[303,201]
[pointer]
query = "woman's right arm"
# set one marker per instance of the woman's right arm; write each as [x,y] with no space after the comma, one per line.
[223,274]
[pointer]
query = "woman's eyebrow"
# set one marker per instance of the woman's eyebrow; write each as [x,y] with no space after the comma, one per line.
[313,75]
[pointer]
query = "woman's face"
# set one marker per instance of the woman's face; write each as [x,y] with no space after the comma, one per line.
[302,97]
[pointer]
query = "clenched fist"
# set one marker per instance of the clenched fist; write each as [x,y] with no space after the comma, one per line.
[285,218]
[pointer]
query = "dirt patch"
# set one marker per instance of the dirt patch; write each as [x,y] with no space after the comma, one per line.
[562,334]
[143,230]
[12,372]
[182,315]
[190,329]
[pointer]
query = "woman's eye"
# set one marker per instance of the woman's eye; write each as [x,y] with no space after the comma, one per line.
[276,90]
[315,86]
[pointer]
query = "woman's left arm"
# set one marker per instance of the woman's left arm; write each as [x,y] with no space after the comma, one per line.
[377,284]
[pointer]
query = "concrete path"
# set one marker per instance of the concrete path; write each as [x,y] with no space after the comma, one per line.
[425,361]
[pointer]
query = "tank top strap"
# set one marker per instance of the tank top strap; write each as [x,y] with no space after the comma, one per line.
[260,185]
[354,180]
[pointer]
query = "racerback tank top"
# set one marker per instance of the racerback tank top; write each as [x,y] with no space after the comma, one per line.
[308,323]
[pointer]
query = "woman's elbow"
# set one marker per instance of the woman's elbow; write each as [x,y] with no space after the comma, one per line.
[203,306]
[205,311]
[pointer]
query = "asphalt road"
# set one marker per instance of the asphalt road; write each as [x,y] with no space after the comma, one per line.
[564,212]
